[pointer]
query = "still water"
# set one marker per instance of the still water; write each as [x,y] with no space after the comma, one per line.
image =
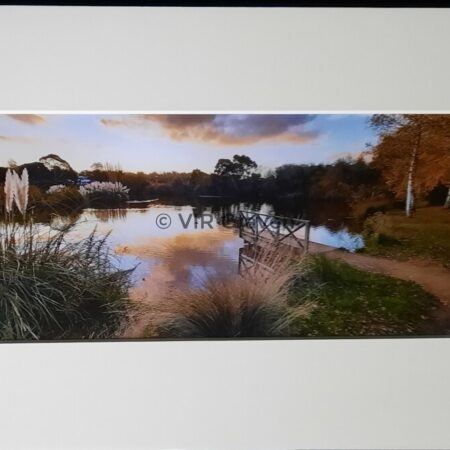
[170,244]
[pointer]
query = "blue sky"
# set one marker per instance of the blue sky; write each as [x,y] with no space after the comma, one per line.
[146,142]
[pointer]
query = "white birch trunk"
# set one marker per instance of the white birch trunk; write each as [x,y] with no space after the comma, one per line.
[447,200]
[409,194]
[410,191]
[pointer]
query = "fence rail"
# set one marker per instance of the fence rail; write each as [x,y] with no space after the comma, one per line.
[275,230]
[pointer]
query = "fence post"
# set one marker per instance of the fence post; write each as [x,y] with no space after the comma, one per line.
[307,237]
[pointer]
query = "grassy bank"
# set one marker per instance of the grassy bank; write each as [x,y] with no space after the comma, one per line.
[350,302]
[426,234]
[316,298]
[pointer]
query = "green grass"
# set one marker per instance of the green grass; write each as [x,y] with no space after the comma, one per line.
[426,235]
[351,302]
[52,288]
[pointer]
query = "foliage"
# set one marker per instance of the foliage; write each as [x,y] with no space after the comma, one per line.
[399,134]
[64,199]
[49,170]
[364,208]
[241,166]
[56,163]
[344,181]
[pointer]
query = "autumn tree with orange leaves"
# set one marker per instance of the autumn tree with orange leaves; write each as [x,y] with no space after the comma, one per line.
[413,154]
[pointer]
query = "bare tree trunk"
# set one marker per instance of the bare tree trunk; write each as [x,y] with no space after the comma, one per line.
[410,190]
[447,200]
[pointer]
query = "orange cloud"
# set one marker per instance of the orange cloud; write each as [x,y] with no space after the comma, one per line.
[31,119]
[225,129]
[112,122]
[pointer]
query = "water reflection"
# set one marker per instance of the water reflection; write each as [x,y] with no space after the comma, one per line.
[183,253]
[108,215]
[188,251]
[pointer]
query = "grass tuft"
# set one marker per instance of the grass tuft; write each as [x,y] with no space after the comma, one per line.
[254,305]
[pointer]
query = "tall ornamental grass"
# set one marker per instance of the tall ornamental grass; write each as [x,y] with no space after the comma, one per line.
[50,286]
[105,194]
[255,304]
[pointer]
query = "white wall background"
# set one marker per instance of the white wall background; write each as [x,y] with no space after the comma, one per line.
[280,395]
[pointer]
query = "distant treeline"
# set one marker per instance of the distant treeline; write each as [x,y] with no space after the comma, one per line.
[346,180]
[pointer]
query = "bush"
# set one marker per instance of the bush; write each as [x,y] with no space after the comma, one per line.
[63,199]
[105,194]
[374,231]
[363,209]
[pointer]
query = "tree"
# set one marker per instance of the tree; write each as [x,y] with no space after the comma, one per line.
[53,162]
[199,178]
[97,166]
[240,167]
[243,166]
[12,163]
[291,178]
[224,168]
[425,141]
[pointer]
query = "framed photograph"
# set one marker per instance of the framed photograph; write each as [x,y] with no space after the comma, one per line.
[225,225]
[224,239]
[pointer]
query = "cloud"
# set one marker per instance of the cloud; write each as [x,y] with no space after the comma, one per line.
[225,129]
[31,119]
[4,138]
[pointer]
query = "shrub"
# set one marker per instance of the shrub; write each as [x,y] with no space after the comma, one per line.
[63,199]
[105,194]
[363,209]
[36,196]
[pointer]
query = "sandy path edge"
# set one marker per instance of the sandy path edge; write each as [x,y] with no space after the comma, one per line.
[433,277]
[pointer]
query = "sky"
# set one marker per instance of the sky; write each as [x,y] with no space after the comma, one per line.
[182,142]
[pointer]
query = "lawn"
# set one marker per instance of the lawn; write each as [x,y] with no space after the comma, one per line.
[351,302]
[426,234]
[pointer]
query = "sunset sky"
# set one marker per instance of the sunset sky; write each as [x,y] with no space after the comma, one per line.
[166,142]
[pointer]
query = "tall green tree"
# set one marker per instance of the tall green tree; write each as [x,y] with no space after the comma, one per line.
[241,166]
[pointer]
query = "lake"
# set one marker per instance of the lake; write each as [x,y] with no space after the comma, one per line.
[170,245]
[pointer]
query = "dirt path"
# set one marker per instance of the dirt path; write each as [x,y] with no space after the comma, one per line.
[434,278]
